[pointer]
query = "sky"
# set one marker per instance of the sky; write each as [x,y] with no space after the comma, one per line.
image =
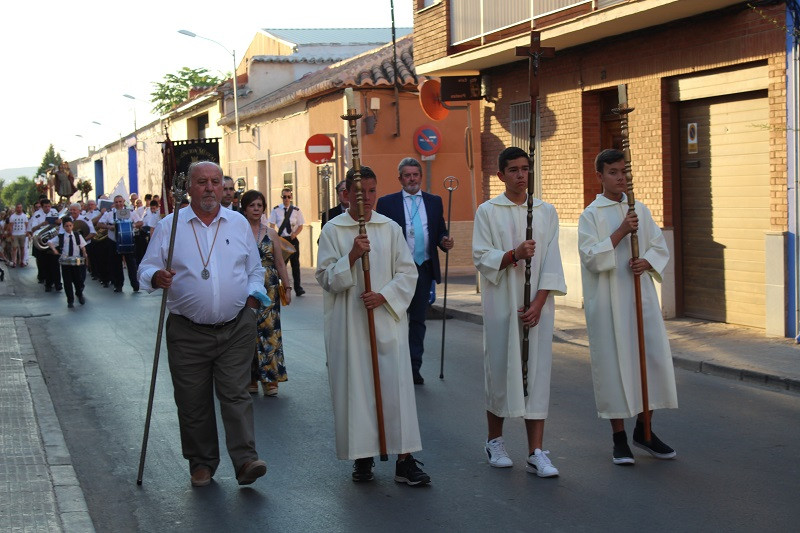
[66,65]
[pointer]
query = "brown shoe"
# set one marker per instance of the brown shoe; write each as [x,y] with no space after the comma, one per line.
[251,471]
[201,476]
[270,388]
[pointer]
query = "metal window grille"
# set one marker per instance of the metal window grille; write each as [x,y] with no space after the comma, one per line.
[519,125]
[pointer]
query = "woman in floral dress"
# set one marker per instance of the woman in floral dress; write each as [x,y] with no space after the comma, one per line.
[268,366]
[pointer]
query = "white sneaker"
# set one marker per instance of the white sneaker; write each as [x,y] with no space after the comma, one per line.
[539,464]
[496,451]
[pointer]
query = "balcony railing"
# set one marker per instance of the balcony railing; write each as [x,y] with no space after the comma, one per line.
[470,19]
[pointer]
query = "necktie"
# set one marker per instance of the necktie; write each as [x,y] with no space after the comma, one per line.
[71,236]
[419,236]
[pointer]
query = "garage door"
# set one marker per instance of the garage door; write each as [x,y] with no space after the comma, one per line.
[725,207]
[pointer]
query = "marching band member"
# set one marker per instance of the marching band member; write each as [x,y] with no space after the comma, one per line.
[71,247]
[149,221]
[92,215]
[83,226]
[108,222]
[47,263]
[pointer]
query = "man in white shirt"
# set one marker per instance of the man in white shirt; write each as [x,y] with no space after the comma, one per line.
[92,214]
[151,218]
[19,230]
[115,254]
[228,190]
[215,284]
[288,221]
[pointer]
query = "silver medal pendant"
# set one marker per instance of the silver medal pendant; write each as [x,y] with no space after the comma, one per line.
[411,232]
[205,274]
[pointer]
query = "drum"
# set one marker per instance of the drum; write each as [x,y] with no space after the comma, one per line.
[72,261]
[124,233]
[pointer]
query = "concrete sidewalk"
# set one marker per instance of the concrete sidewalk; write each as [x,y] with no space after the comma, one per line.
[39,490]
[709,347]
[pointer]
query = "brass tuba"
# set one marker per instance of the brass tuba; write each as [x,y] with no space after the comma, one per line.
[46,233]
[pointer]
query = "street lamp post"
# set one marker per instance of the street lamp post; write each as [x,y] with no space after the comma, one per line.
[134,110]
[233,80]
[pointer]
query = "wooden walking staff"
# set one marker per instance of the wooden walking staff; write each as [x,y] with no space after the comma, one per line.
[623,111]
[178,194]
[533,52]
[451,184]
[352,117]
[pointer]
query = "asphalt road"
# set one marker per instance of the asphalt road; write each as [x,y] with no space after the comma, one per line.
[737,467]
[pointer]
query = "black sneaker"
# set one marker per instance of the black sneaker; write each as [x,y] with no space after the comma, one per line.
[655,447]
[299,291]
[362,469]
[407,471]
[622,452]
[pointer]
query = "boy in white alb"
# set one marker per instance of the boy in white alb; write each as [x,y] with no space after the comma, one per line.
[607,270]
[499,250]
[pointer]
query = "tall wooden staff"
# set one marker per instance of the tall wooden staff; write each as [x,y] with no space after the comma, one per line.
[352,117]
[533,52]
[178,193]
[451,184]
[623,111]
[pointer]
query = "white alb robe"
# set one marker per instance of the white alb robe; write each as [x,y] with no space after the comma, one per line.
[500,225]
[609,301]
[394,275]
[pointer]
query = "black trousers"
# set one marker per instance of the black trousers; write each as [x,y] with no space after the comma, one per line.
[105,252]
[91,250]
[294,260]
[50,269]
[37,254]
[73,277]
[117,276]
[140,244]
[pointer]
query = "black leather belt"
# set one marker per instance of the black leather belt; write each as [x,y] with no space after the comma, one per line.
[219,325]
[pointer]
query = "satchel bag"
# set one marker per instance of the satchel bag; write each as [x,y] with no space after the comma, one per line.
[287,248]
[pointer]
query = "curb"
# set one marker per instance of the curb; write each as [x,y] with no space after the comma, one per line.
[755,377]
[70,501]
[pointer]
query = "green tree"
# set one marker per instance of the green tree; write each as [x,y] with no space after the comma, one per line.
[174,89]
[22,190]
[51,158]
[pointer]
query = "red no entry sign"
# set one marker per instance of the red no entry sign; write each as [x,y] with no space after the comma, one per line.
[319,149]
[427,140]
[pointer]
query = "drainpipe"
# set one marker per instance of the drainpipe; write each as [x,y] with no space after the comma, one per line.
[795,88]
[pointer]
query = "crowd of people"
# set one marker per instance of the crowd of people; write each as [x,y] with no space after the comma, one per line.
[229,278]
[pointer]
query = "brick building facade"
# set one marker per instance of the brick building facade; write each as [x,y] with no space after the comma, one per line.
[722,64]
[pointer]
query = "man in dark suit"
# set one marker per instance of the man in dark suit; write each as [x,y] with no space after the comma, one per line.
[340,208]
[421,217]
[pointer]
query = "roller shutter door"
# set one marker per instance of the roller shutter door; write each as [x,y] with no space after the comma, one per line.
[725,207]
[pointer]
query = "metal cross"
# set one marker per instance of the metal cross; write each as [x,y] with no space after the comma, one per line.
[533,53]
